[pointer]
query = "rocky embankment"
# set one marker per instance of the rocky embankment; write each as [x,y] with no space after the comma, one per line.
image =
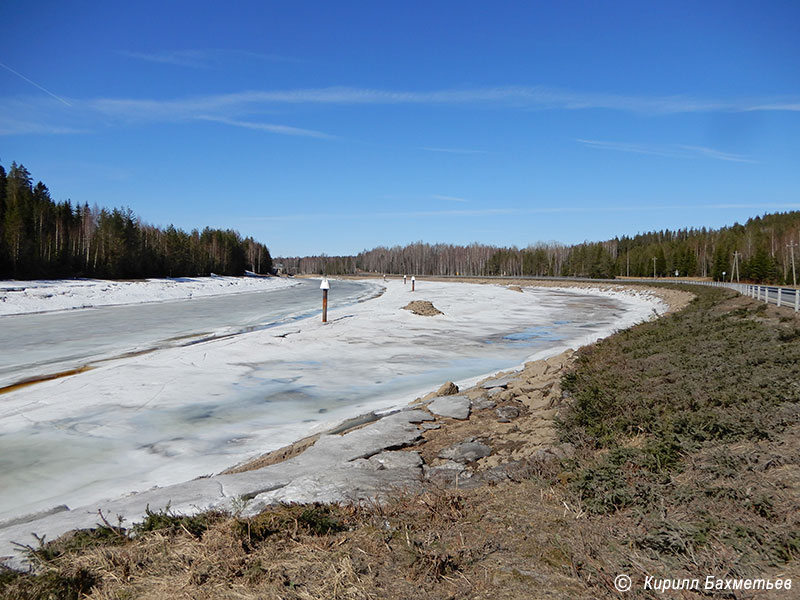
[488,431]
[452,437]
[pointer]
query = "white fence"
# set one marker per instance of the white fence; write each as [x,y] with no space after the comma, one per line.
[780,296]
[770,294]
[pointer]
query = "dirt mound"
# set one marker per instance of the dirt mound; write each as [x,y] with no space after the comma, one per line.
[423,308]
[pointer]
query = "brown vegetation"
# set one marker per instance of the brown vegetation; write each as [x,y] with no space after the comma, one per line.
[685,463]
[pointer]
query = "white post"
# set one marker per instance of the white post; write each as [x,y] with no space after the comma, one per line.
[779,296]
[324,286]
[796,300]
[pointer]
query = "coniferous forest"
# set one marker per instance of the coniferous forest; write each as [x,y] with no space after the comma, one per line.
[764,248]
[43,238]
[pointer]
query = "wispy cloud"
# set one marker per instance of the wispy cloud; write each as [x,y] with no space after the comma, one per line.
[269,127]
[489,212]
[455,150]
[778,106]
[41,114]
[203,58]
[27,128]
[241,104]
[194,59]
[536,97]
[716,154]
[20,116]
[449,198]
[480,212]
[670,151]
[238,108]
[33,83]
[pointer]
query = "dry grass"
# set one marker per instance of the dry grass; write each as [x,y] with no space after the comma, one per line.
[687,463]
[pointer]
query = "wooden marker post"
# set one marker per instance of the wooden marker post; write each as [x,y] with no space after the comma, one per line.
[404,279]
[413,281]
[324,286]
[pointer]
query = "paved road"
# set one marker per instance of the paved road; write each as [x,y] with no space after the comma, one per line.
[33,345]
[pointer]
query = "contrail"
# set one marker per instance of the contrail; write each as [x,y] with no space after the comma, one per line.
[46,91]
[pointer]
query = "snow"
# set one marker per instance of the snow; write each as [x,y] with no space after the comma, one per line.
[181,412]
[34,345]
[19,297]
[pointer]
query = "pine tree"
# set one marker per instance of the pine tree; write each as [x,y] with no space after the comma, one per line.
[4,266]
[720,264]
[39,237]
[661,262]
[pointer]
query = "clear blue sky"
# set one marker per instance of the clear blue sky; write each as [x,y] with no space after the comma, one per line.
[337,126]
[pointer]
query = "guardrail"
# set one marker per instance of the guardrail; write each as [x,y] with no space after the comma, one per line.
[770,294]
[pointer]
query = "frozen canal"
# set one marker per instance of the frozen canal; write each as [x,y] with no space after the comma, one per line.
[46,343]
[183,411]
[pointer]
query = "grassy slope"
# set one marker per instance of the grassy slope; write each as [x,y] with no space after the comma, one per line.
[686,464]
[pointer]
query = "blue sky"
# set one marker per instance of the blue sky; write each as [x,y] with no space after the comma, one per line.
[337,126]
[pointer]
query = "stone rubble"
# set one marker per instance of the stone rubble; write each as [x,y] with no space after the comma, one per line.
[466,439]
[455,407]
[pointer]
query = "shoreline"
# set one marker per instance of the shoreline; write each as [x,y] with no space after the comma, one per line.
[353,464]
[620,473]
[675,300]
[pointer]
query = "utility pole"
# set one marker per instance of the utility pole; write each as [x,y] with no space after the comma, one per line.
[628,272]
[792,246]
[736,256]
[654,267]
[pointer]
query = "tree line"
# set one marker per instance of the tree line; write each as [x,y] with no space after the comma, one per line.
[761,250]
[43,238]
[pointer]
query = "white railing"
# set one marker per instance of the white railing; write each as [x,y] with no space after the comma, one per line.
[780,296]
[770,294]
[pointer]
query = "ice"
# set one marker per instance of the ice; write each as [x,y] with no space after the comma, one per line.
[19,297]
[45,343]
[181,412]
